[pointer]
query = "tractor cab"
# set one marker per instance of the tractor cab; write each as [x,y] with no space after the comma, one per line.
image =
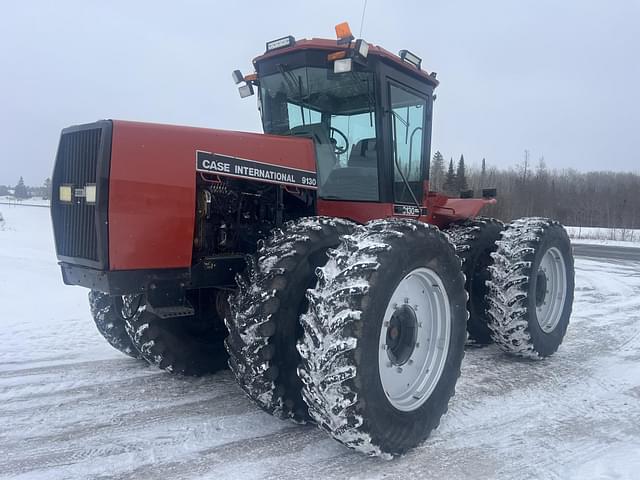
[367,110]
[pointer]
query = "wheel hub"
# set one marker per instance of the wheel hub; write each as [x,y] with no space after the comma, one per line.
[541,288]
[401,335]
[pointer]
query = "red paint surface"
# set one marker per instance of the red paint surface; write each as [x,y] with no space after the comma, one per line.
[442,210]
[360,212]
[152,186]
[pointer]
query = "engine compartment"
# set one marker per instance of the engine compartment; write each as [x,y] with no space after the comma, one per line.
[232,215]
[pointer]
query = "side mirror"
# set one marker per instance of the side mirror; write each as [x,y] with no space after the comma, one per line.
[245,90]
[237,77]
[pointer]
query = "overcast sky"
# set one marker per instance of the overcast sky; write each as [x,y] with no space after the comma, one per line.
[560,78]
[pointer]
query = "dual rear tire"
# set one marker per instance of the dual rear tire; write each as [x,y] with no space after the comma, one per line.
[191,346]
[531,287]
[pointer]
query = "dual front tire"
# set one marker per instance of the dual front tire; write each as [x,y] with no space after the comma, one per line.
[380,345]
[384,336]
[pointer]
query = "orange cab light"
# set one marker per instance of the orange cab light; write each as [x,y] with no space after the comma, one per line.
[252,77]
[343,32]
[336,55]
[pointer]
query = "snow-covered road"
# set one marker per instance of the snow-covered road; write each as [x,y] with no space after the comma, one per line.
[72,407]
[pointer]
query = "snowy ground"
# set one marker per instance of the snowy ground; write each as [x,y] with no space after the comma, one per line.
[71,407]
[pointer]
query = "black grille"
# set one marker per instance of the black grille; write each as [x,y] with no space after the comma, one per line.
[78,163]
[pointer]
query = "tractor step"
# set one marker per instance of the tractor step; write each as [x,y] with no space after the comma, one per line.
[172,312]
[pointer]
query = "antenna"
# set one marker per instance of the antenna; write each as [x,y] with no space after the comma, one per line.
[364,9]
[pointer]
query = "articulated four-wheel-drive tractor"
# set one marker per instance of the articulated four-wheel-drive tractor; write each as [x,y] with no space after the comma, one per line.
[313,259]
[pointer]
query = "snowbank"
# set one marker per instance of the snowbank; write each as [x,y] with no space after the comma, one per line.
[33,201]
[623,237]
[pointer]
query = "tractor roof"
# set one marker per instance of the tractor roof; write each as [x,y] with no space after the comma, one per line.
[333,46]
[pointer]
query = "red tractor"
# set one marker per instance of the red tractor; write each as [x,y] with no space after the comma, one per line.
[312,259]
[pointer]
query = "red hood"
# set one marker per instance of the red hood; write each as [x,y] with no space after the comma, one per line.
[152,184]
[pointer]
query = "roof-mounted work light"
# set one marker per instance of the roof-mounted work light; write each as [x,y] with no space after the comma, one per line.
[283,42]
[362,48]
[411,58]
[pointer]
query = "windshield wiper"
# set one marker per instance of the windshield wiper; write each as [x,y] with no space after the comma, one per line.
[292,80]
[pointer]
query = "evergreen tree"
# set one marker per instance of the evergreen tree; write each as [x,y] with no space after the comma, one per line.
[450,181]
[461,176]
[4,190]
[21,190]
[437,174]
[46,193]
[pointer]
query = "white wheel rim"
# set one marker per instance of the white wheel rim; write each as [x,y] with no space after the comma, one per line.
[551,290]
[410,373]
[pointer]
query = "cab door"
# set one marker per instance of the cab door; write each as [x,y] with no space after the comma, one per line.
[409,152]
[407,139]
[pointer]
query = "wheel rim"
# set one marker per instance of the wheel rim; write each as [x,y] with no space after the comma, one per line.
[551,289]
[414,339]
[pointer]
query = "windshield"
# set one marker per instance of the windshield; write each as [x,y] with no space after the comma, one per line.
[337,111]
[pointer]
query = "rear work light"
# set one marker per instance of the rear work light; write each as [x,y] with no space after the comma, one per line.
[280,43]
[411,58]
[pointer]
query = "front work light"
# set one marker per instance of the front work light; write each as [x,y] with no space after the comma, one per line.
[90,193]
[65,193]
[343,65]
[245,90]
[409,57]
[280,43]
[362,48]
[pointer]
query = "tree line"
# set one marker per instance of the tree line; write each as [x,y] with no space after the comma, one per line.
[588,199]
[22,191]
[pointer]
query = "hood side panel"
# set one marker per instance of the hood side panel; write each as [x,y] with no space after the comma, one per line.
[153,180]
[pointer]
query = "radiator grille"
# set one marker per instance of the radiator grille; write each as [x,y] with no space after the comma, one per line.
[75,223]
